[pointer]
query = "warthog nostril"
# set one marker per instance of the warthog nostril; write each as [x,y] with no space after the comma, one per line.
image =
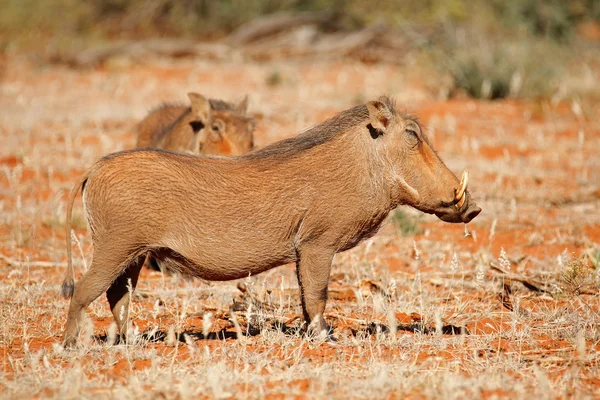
[471,213]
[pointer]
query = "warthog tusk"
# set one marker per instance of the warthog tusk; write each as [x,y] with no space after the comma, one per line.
[461,202]
[460,194]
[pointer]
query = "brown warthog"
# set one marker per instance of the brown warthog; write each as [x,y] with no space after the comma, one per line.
[205,127]
[299,200]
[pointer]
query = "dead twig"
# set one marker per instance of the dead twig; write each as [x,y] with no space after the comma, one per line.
[36,264]
[270,25]
[534,284]
[530,283]
[142,49]
[250,299]
[505,297]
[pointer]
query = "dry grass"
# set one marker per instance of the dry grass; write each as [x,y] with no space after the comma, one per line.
[497,311]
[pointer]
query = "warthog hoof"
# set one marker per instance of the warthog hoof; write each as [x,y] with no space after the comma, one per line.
[69,343]
[320,331]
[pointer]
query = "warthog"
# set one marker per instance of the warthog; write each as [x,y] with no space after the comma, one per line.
[205,127]
[299,200]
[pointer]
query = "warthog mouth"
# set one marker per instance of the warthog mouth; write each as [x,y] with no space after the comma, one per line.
[460,209]
[456,216]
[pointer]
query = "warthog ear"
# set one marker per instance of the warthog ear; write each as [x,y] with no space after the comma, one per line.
[380,115]
[242,106]
[200,107]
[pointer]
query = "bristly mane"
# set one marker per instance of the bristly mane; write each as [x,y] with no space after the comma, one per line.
[320,133]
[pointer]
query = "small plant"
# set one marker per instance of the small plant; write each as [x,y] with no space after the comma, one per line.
[576,276]
[405,224]
[274,79]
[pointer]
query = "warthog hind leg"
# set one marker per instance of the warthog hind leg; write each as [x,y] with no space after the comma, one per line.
[106,267]
[118,294]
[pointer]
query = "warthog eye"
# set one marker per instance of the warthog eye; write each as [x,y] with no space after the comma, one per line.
[217,130]
[412,137]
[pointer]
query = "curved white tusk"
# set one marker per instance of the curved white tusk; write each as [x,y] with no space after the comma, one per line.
[464,181]
[461,201]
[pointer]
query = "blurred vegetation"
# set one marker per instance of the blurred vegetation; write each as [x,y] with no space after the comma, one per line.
[554,19]
[274,78]
[489,48]
[406,224]
[491,67]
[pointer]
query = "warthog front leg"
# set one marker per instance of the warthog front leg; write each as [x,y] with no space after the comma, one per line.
[313,268]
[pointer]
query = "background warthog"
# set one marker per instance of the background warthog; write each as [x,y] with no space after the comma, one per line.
[205,127]
[299,200]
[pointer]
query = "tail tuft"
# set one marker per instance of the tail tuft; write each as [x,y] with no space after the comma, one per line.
[68,287]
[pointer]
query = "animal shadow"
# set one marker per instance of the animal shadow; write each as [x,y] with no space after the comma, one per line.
[158,336]
[374,327]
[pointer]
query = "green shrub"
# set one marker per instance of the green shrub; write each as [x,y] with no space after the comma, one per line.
[554,19]
[496,69]
[577,275]
[405,224]
[274,79]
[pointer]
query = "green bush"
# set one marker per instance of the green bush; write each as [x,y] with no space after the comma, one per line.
[554,19]
[405,224]
[496,69]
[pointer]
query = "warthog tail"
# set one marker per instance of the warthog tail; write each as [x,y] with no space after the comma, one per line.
[68,285]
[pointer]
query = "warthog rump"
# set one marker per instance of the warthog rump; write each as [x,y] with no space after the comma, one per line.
[299,200]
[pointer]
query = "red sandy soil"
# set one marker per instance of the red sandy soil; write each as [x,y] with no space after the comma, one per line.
[534,169]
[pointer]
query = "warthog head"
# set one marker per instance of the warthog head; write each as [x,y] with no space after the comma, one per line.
[229,131]
[423,180]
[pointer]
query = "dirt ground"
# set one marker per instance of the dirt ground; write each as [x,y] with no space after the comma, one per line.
[506,307]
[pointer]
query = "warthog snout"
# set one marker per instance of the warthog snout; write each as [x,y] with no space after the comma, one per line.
[462,208]
[462,198]
[465,214]
[471,212]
